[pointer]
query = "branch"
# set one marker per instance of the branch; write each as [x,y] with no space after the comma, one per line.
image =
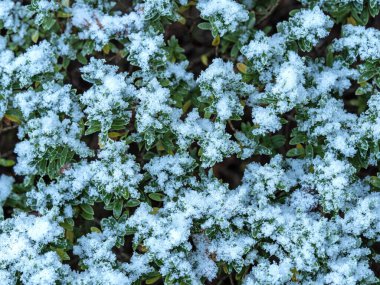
[3,130]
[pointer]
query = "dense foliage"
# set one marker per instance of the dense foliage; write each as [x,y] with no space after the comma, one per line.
[129,115]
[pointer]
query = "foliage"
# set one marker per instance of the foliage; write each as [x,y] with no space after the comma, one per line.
[124,126]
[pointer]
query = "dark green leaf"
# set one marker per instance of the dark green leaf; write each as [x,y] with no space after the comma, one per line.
[93,128]
[278,141]
[82,59]
[117,208]
[375,181]
[309,151]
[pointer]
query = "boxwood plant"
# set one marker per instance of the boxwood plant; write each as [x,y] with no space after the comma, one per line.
[190,142]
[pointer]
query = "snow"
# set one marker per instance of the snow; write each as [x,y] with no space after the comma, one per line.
[310,219]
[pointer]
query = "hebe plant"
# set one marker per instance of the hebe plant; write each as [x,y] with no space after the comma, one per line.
[130,113]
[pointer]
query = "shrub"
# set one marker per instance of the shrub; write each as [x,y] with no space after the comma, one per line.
[129,116]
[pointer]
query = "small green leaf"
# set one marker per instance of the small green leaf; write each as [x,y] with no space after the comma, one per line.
[87,209]
[88,48]
[309,151]
[361,90]
[149,137]
[35,36]
[156,196]
[152,280]
[68,224]
[216,41]
[118,124]
[278,141]
[125,194]
[133,203]
[87,216]
[14,116]
[6,162]
[293,12]
[62,254]
[204,26]
[295,152]
[263,150]
[363,148]
[375,181]
[48,23]
[234,51]
[117,208]
[93,128]
[130,231]
[82,59]
[299,138]
[52,169]
[329,57]
[95,230]
[367,75]
[61,14]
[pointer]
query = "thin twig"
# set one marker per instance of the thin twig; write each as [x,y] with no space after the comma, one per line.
[5,154]
[231,280]
[268,13]
[221,280]
[3,130]
[231,126]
